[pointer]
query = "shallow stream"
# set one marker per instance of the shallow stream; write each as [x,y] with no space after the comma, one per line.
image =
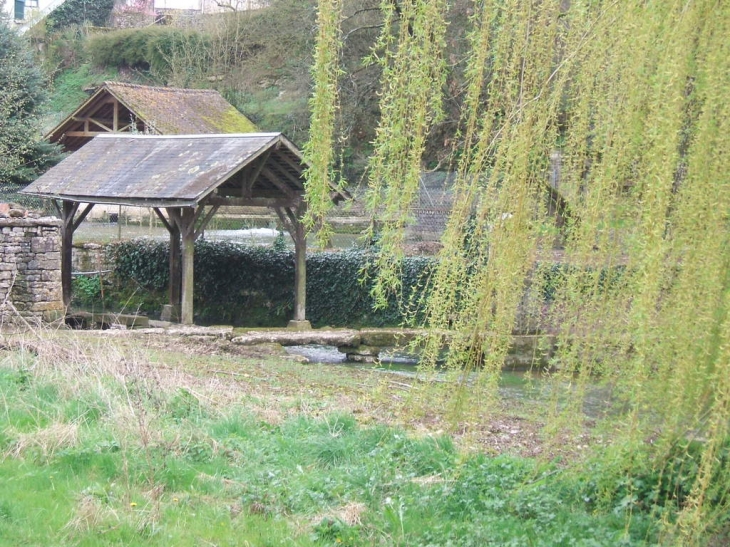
[522,386]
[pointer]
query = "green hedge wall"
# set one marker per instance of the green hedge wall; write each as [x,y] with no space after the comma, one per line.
[149,48]
[254,286]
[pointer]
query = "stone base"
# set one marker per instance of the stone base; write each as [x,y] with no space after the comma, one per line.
[169,313]
[299,325]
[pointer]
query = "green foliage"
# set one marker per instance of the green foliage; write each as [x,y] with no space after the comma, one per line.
[279,244]
[69,85]
[254,286]
[319,151]
[79,12]
[23,155]
[144,261]
[157,49]
[87,290]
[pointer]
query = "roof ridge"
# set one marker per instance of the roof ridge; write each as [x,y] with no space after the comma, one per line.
[159,88]
[255,135]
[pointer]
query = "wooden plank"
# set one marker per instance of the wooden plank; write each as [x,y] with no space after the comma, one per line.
[298,167]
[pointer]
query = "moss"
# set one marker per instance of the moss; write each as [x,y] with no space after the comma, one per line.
[232,121]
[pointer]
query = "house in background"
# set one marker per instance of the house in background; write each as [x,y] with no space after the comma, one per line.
[208,6]
[23,13]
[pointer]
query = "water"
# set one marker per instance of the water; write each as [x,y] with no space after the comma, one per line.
[518,386]
[101,232]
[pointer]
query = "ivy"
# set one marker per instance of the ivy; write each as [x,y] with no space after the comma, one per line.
[254,286]
[78,12]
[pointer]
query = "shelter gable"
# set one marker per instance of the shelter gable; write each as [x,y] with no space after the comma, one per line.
[128,108]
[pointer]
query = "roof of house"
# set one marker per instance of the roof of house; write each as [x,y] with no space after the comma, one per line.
[177,171]
[152,110]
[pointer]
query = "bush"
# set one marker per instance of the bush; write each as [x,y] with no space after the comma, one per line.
[254,286]
[152,48]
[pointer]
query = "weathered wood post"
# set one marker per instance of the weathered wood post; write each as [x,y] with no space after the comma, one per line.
[67,211]
[291,219]
[300,273]
[187,230]
[175,260]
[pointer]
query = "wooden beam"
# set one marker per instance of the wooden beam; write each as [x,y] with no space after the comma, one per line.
[201,227]
[162,218]
[85,133]
[97,122]
[115,120]
[79,219]
[250,179]
[284,156]
[252,202]
[280,185]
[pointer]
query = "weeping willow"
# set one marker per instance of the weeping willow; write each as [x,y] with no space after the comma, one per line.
[622,111]
[319,151]
[409,51]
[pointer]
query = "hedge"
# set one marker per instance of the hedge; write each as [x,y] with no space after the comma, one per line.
[149,48]
[254,286]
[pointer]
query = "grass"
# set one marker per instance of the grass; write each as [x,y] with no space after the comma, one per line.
[117,440]
[68,90]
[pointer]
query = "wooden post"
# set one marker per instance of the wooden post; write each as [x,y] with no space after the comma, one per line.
[67,239]
[290,218]
[187,230]
[180,222]
[68,211]
[175,282]
[175,261]
[300,273]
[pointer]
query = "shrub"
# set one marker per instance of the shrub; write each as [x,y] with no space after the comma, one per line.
[152,48]
[254,286]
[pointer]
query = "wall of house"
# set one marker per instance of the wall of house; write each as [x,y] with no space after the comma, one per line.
[30,270]
[32,9]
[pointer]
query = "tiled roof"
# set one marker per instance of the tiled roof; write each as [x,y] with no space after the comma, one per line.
[174,111]
[160,171]
[119,107]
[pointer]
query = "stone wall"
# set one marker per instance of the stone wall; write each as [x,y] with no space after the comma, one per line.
[30,270]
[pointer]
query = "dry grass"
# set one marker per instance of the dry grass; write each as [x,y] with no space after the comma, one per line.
[46,440]
[221,375]
[350,514]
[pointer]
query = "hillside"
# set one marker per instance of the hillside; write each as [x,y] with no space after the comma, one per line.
[258,60]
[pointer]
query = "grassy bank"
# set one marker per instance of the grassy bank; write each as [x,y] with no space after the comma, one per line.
[141,441]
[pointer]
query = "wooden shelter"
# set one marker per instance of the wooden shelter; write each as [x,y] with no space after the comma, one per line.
[116,107]
[185,179]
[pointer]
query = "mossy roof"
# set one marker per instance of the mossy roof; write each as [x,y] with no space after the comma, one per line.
[151,110]
[175,111]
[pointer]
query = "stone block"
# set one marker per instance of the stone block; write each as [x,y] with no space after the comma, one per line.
[46,306]
[43,244]
[51,276]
